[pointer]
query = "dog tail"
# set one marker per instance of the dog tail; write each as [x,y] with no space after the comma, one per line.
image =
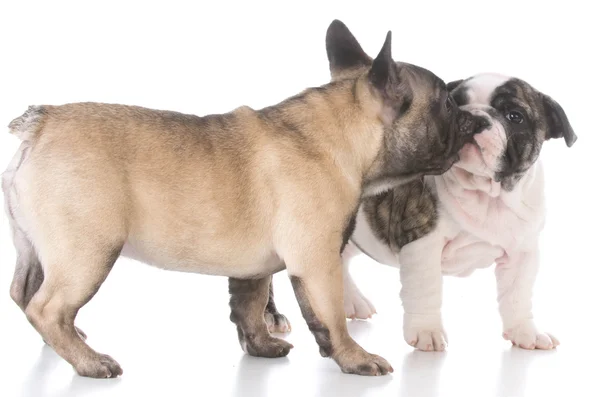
[28,125]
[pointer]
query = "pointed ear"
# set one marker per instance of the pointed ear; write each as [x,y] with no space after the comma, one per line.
[382,70]
[453,84]
[343,51]
[558,125]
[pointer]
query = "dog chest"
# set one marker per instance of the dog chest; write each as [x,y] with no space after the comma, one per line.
[465,253]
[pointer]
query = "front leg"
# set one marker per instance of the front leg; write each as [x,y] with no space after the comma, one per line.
[515,277]
[356,305]
[421,294]
[316,274]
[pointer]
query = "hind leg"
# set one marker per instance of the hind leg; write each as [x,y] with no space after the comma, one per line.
[29,275]
[70,282]
[248,302]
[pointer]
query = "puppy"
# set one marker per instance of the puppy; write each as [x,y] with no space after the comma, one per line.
[243,195]
[489,207]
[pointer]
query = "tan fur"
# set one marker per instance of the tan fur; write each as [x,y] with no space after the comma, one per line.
[100,176]
[242,195]
[144,184]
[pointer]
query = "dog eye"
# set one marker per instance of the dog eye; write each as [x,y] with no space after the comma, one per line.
[515,117]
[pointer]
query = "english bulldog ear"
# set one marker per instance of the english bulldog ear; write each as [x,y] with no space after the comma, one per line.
[343,51]
[453,84]
[558,125]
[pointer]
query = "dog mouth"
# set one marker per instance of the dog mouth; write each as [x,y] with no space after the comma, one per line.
[476,147]
[473,160]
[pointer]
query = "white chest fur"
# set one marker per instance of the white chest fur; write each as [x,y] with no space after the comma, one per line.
[478,224]
[482,223]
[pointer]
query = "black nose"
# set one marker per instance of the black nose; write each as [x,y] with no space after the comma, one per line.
[482,124]
[470,124]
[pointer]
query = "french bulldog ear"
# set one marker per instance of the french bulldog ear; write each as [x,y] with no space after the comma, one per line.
[382,73]
[453,84]
[343,50]
[558,125]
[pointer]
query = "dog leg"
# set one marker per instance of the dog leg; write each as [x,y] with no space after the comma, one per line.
[317,280]
[29,275]
[248,302]
[70,282]
[515,277]
[356,305]
[276,322]
[421,294]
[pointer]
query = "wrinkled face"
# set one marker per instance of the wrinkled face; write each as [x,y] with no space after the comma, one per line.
[521,119]
[424,128]
[429,131]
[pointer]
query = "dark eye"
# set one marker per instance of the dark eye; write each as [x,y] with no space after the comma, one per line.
[515,117]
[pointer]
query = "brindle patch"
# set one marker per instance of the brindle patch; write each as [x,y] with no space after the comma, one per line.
[403,214]
[248,303]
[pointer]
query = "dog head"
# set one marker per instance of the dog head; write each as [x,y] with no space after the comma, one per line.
[424,128]
[521,120]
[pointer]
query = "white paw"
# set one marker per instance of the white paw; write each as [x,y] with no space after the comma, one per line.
[526,336]
[356,305]
[425,332]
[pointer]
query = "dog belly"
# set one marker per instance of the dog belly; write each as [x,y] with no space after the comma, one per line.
[250,266]
[465,253]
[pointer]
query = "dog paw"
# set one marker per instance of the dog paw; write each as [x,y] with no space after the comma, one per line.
[425,332]
[527,336]
[100,366]
[277,323]
[266,346]
[359,362]
[356,305]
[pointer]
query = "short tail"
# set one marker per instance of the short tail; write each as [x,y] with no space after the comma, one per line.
[27,126]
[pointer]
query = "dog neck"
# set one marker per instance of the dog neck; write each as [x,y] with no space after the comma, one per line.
[460,180]
[479,203]
[342,120]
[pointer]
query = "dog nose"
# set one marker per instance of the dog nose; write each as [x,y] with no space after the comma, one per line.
[470,124]
[482,124]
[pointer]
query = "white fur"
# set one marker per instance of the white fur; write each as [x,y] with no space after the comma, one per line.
[479,224]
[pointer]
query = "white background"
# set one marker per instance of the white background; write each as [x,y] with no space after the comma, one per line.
[171,332]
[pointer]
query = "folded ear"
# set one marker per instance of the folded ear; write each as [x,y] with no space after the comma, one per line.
[343,51]
[558,125]
[453,84]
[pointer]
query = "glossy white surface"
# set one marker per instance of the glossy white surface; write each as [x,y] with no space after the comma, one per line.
[171,332]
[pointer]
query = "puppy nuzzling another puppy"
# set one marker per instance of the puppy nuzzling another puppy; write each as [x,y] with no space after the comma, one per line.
[488,208]
[242,195]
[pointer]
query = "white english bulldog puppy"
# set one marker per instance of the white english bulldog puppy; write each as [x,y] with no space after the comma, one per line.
[487,209]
